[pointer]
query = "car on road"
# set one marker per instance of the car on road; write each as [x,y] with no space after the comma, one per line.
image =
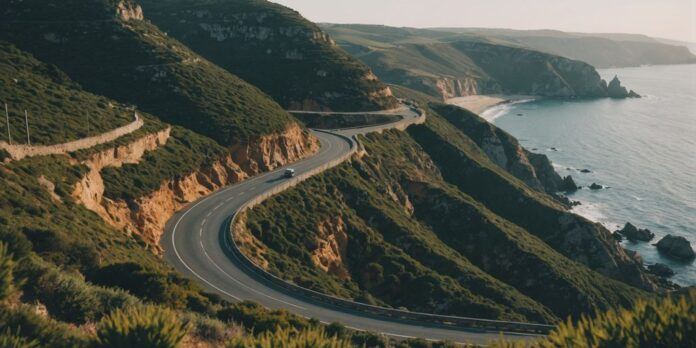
[289,173]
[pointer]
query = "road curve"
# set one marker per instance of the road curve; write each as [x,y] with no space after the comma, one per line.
[192,244]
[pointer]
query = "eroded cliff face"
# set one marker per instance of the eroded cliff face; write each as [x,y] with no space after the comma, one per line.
[331,247]
[146,216]
[129,10]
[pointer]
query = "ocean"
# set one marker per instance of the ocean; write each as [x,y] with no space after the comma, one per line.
[642,150]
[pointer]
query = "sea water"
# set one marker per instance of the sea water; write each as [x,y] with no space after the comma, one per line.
[642,150]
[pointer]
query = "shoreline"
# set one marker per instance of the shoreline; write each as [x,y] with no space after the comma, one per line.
[483,105]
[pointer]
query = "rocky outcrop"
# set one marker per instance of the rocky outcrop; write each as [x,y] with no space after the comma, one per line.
[676,247]
[633,233]
[661,270]
[568,184]
[129,10]
[330,248]
[146,216]
[615,90]
[533,169]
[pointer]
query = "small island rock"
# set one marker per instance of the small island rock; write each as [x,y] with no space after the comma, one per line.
[568,184]
[596,186]
[676,247]
[661,270]
[634,233]
[615,90]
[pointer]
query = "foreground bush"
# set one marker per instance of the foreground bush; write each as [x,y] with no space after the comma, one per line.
[289,338]
[147,326]
[6,279]
[10,340]
[659,323]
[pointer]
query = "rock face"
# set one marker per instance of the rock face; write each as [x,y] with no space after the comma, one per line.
[569,184]
[129,10]
[331,248]
[633,233]
[146,216]
[676,247]
[533,169]
[596,186]
[615,90]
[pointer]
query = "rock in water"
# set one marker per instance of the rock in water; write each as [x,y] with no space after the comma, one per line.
[615,90]
[596,186]
[568,184]
[633,233]
[661,270]
[676,247]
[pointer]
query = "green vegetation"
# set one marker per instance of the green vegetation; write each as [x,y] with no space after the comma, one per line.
[59,110]
[6,278]
[428,211]
[10,340]
[446,64]
[143,327]
[315,338]
[669,322]
[184,153]
[274,48]
[133,61]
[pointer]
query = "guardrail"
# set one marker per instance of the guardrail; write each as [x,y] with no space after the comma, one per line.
[378,312]
[19,151]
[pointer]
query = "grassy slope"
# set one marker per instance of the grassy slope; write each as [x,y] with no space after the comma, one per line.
[272,47]
[135,62]
[452,241]
[57,106]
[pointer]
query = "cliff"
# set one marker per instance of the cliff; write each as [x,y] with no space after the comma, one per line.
[276,49]
[447,65]
[107,188]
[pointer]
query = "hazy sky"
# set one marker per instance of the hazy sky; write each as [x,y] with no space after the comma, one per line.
[674,19]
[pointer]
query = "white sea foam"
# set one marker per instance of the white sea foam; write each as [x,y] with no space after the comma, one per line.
[499,110]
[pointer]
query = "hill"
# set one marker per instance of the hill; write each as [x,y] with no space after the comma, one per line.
[448,65]
[274,48]
[602,50]
[110,49]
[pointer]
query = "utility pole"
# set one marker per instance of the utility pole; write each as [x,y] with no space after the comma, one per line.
[7,119]
[26,122]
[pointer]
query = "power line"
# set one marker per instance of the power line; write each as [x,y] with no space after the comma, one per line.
[26,121]
[7,119]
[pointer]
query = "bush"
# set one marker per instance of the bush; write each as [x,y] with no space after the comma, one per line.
[23,321]
[147,326]
[10,340]
[290,338]
[7,287]
[658,323]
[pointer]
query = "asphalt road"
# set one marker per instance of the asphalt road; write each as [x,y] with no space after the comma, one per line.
[192,244]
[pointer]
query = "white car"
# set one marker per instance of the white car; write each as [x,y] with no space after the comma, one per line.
[289,173]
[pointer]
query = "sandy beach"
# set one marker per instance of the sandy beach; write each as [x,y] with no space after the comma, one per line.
[480,103]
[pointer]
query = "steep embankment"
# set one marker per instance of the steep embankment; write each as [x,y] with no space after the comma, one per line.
[425,220]
[274,48]
[450,65]
[110,49]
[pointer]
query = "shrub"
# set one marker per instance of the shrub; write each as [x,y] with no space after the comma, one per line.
[7,287]
[23,321]
[146,326]
[658,323]
[290,338]
[8,339]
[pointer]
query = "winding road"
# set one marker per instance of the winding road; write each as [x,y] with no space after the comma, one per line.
[194,244]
